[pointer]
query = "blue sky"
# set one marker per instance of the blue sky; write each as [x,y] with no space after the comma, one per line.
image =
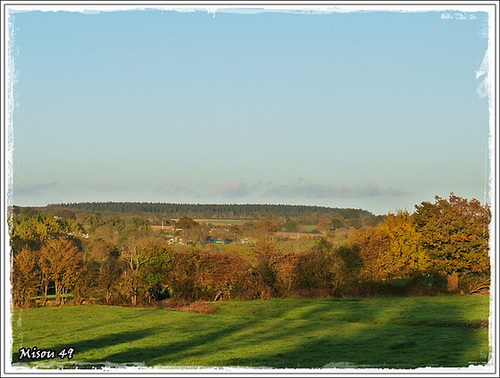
[373,110]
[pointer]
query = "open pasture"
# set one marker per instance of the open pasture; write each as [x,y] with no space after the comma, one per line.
[442,331]
[223,222]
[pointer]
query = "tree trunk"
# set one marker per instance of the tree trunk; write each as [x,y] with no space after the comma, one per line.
[58,293]
[452,282]
[108,296]
[134,300]
[46,288]
[217,295]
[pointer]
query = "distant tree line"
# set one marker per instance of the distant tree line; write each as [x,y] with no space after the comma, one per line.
[209,210]
[441,247]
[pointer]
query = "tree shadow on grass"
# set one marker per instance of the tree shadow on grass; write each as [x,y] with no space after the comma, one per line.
[90,344]
[58,322]
[357,333]
[385,347]
[357,342]
[173,353]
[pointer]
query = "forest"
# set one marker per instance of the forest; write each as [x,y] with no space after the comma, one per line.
[212,210]
[140,254]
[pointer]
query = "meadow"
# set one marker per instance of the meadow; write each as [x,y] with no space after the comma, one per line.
[389,332]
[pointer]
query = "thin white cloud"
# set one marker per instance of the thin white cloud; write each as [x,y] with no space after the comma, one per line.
[176,190]
[301,189]
[33,189]
[304,190]
[235,189]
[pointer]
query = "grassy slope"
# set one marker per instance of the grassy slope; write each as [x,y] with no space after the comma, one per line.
[305,333]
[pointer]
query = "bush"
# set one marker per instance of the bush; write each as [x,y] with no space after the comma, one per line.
[474,283]
[212,275]
[365,289]
[415,286]
[311,293]
[200,307]
[254,287]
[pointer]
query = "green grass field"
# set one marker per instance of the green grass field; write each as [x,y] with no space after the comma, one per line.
[308,228]
[442,331]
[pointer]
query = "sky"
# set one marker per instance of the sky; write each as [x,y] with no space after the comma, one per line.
[378,110]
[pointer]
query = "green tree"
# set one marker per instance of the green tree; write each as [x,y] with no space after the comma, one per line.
[141,224]
[185,223]
[336,224]
[291,226]
[351,264]
[157,269]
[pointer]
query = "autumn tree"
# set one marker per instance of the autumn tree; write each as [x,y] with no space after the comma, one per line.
[34,230]
[185,223]
[187,268]
[134,253]
[60,262]
[404,256]
[325,224]
[392,249]
[455,236]
[110,271]
[102,271]
[322,269]
[196,235]
[266,228]
[224,275]
[107,232]
[25,277]
[193,232]
[285,274]
[372,244]
[266,266]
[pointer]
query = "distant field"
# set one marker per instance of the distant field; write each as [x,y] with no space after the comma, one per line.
[308,228]
[215,222]
[296,235]
[442,331]
[303,232]
[158,228]
[222,222]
